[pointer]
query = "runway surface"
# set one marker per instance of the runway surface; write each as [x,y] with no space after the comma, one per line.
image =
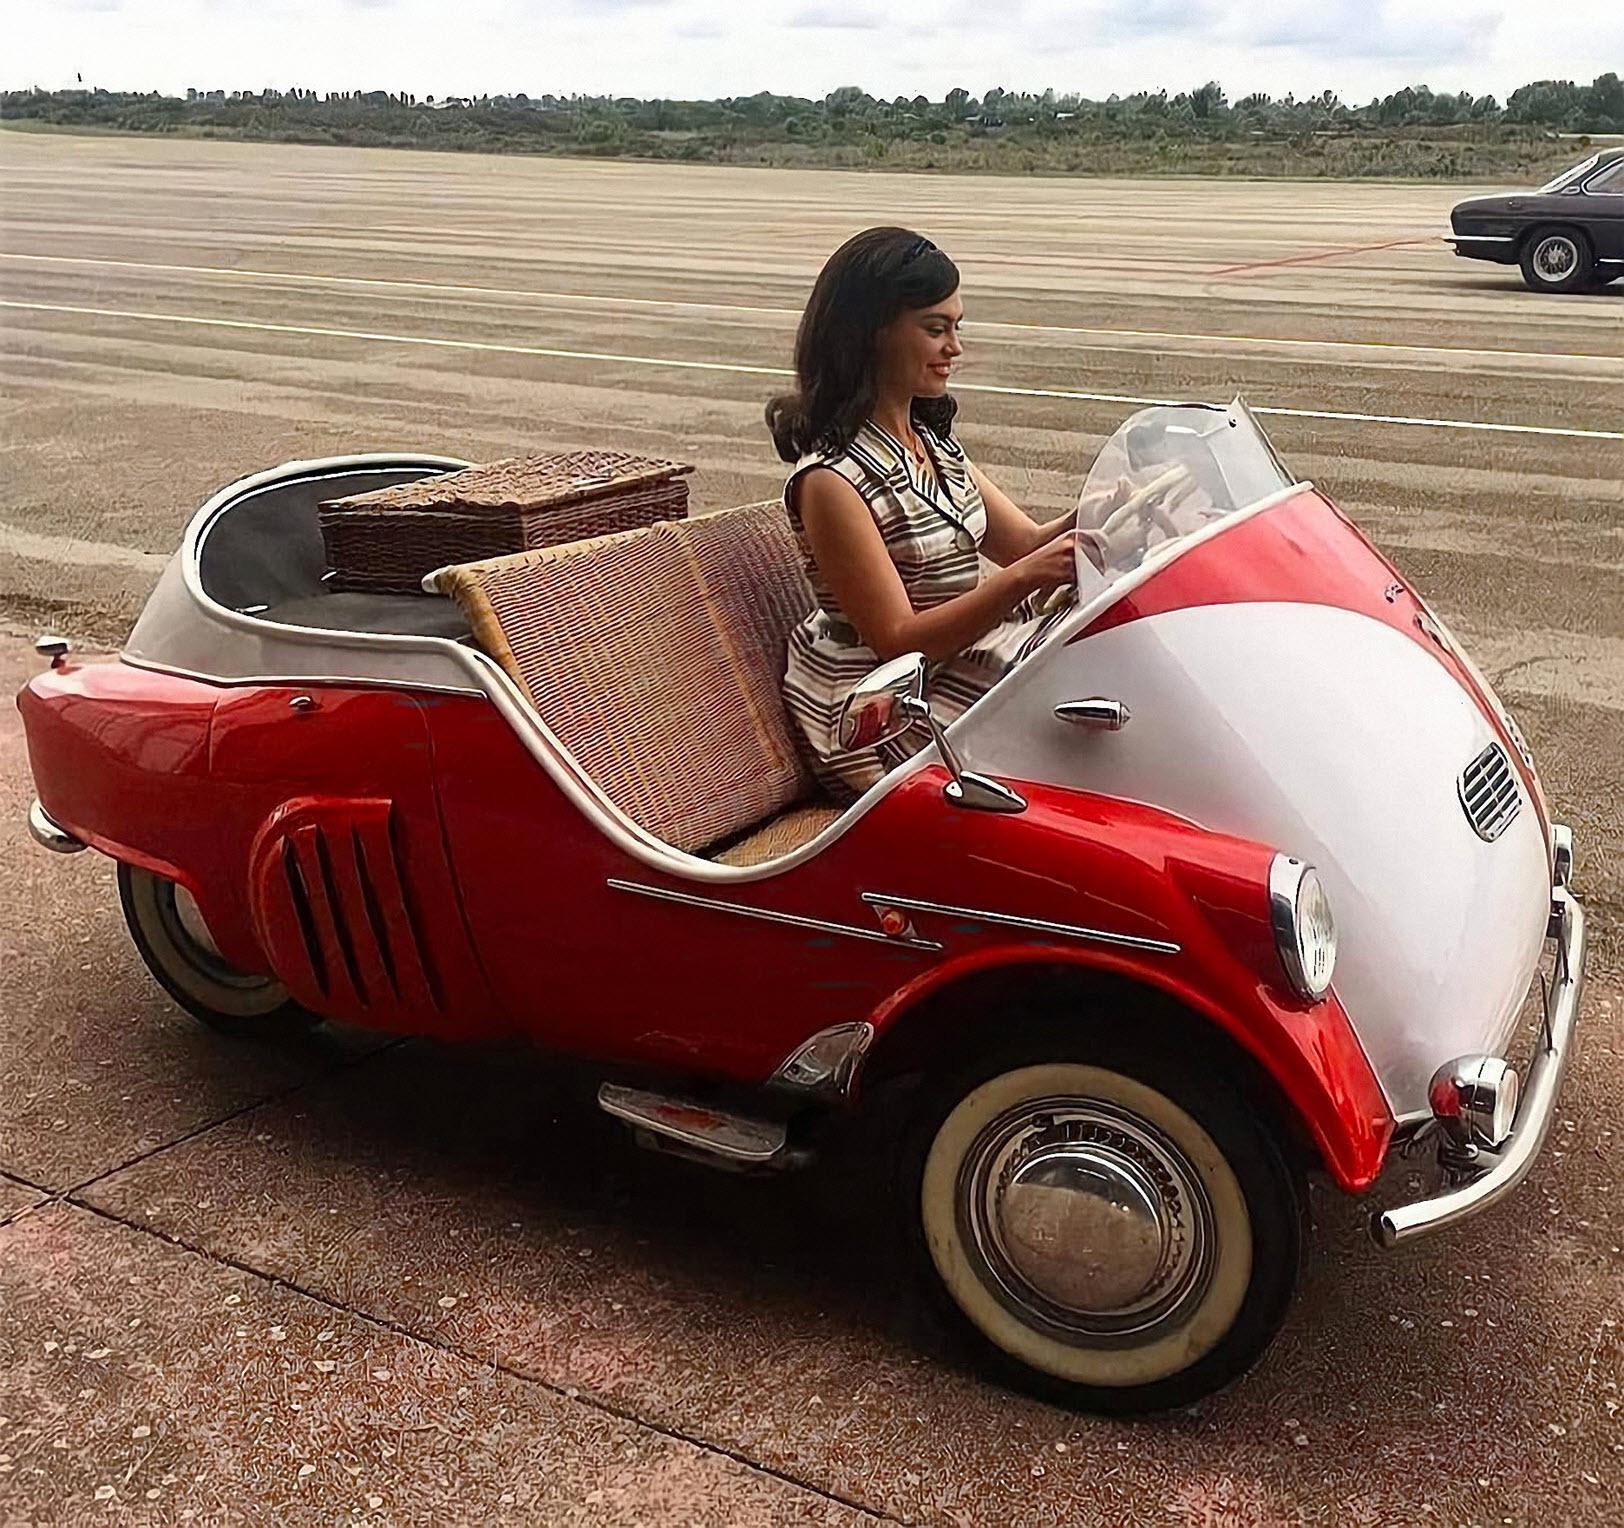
[640,1338]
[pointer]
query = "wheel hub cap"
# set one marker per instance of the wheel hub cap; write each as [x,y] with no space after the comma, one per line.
[1555,258]
[1086,1219]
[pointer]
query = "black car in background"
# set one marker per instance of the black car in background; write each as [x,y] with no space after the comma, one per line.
[1567,236]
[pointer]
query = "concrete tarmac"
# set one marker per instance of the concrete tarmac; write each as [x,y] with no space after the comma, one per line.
[346,1278]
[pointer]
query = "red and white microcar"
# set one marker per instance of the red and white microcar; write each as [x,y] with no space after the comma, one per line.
[1244,874]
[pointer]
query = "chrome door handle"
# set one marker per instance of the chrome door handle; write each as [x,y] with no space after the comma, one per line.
[1096,711]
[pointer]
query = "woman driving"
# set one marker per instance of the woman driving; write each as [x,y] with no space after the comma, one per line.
[908,545]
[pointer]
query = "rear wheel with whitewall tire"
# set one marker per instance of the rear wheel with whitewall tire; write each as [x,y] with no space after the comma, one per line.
[173,940]
[1108,1231]
[1557,260]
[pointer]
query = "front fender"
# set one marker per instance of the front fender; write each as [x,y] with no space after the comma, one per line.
[1167,882]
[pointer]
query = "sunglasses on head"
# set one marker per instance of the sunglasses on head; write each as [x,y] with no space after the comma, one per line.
[915,250]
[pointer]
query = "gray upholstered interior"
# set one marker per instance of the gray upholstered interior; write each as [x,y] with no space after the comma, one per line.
[263,555]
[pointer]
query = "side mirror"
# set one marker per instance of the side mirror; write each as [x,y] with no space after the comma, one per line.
[884,704]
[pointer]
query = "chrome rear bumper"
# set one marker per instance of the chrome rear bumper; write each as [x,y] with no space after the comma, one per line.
[48,831]
[1505,1168]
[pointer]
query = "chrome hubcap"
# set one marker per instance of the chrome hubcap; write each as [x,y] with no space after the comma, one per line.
[1085,1219]
[1556,258]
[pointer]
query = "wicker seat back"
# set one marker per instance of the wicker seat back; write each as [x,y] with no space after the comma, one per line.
[655,656]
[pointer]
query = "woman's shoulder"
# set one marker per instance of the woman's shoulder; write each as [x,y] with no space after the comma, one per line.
[806,472]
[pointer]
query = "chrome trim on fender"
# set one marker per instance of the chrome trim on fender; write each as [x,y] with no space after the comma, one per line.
[767,915]
[1478,238]
[828,1063]
[50,834]
[1506,1168]
[295,681]
[1032,925]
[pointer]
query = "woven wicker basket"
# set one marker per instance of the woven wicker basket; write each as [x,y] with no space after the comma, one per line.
[386,541]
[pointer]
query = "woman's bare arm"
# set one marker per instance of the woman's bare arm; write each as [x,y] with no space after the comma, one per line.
[1012,533]
[852,558]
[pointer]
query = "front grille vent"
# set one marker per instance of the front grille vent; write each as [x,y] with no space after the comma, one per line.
[1488,793]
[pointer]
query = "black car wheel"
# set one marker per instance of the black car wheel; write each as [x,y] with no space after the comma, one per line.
[175,943]
[1106,1227]
[1557,260]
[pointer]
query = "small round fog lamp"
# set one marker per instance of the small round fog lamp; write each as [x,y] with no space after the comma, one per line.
[1475,1099]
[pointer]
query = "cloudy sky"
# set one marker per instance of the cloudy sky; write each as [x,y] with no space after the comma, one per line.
[701,48]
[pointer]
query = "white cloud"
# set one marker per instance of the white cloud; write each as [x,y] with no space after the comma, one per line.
[1359,48]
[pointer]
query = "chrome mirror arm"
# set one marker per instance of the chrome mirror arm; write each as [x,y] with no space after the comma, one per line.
[966,788]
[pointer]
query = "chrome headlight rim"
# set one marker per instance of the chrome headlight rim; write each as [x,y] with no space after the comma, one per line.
[1292,883]
[1476,1098]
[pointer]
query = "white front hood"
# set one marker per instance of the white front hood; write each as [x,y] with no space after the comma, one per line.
[1332,737]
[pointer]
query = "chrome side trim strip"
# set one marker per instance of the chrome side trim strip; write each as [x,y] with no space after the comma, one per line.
[767,915]
[1031,925]
[1479,238]
[50,834]
[293,682]
[1511,1163]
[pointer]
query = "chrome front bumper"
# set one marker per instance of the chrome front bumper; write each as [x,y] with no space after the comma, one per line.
[1506,1167]
[48,831]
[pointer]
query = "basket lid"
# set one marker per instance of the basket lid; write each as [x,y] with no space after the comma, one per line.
[548,481]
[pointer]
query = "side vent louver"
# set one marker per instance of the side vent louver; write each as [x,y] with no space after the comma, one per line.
[338,909]
[1488,793]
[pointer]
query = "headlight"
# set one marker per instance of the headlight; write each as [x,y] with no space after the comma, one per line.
[1304,931]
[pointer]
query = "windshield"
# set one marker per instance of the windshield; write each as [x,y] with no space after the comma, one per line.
[1166,473]
[1567,177]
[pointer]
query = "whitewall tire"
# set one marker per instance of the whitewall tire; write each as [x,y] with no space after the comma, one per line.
[1111,1241]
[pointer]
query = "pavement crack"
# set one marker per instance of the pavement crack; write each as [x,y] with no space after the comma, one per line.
[349,1064]
[570,1394]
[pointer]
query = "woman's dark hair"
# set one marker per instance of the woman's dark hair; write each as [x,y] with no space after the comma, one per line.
[866,283]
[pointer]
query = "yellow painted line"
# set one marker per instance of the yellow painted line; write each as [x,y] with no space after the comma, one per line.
[664,304]
[491,347]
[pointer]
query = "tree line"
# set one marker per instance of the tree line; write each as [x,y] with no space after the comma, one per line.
[997,129]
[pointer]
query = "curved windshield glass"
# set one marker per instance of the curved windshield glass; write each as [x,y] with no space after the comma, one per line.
[1168,472]
[1567,177]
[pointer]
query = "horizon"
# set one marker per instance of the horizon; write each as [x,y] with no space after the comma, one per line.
[702,50]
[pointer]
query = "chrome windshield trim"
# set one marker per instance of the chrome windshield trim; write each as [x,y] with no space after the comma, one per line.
[1542,1089]
[1030,925]
[767,915]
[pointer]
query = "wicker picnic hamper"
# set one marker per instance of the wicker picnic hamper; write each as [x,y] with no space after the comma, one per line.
[386,541]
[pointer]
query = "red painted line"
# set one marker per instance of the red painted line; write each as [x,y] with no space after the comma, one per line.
[1325,254]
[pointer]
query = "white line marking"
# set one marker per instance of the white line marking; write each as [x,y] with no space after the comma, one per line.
[779,371]
[300,278]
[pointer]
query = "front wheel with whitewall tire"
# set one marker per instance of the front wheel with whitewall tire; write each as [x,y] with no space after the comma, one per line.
[1116,1235]
[175,943]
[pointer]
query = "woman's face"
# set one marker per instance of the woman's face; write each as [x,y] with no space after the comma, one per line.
[919,347]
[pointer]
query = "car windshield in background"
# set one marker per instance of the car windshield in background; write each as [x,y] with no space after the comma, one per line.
[1168,472]
[1567,177]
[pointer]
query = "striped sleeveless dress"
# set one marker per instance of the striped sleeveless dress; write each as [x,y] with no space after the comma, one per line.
[933,533]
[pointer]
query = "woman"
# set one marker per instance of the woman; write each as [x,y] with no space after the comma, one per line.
[909,546]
